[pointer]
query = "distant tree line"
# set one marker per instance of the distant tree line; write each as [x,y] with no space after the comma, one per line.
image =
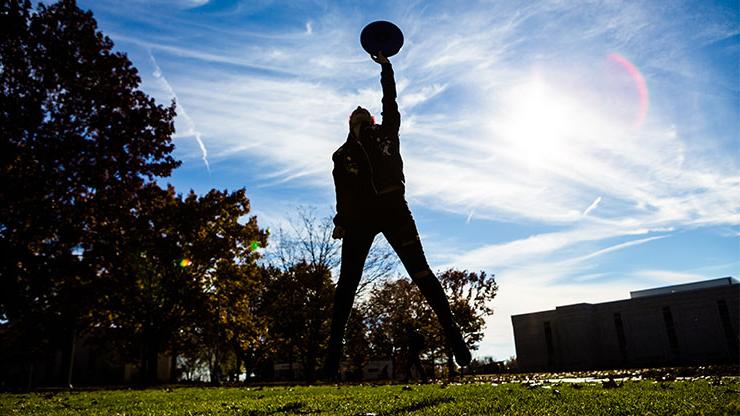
[95,249]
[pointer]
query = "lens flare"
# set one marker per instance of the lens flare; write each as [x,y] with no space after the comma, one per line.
[639,82]
[185,262]
[254,245]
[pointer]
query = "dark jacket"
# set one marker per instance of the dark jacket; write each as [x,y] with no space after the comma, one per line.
[371,166]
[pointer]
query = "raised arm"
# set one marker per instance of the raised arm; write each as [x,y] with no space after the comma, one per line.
[391,116]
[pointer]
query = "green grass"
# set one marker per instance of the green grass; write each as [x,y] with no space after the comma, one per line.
[643,397]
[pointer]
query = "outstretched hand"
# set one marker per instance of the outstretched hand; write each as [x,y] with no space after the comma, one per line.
[380,58]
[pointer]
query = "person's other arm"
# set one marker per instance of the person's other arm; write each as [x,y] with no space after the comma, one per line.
[340,186]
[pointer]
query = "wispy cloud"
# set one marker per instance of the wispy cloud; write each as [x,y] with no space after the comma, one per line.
[545,250]
[189,123]
[592,206]
[470,217]
[620,246]
[180,4]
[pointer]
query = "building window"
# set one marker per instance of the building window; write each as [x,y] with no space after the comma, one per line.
[730,337]
[620,336]
[550,348]
[671,330]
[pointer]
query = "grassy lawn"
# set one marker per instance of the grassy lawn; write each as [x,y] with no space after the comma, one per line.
[710,396]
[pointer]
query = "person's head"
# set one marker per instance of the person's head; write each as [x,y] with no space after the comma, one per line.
[359,117]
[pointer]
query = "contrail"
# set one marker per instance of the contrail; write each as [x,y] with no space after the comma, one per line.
[619,247]
[592,206]
[189,123]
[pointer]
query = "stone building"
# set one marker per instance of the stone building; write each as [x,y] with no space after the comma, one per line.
[688,324]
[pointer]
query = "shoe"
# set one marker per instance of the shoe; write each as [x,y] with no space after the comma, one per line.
[461,351]
[331,366]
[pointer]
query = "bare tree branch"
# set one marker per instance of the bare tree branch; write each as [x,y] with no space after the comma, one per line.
[308,239]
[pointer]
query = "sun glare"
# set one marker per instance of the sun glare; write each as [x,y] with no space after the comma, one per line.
[540,124]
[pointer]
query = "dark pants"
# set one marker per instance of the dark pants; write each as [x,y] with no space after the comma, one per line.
[392,217]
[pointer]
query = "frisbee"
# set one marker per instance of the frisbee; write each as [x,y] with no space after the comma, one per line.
[381,36]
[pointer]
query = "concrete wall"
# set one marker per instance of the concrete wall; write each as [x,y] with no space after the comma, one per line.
[685,328]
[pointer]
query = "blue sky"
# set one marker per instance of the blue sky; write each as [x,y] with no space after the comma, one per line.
[577,150]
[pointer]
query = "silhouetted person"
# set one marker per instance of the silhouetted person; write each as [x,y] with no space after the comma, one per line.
[415,344]
[369,181]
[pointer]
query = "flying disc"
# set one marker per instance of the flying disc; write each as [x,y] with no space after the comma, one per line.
[381,36]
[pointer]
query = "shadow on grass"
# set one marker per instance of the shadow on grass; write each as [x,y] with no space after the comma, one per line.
[421,404]
[292,407]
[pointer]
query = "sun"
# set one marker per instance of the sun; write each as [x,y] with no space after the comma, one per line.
[540,125]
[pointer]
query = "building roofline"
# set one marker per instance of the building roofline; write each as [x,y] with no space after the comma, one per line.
[644,293]
[684,287]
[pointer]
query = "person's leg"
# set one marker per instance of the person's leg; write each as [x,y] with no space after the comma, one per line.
[403,236]
[355,248]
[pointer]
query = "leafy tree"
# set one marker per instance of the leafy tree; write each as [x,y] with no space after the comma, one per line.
[300,300]
[391,307]
[224,258]
[357,343]
[257,354]
[89,239]
[151,297]
[79,141]
[395,304]
[470,295]
[189,282]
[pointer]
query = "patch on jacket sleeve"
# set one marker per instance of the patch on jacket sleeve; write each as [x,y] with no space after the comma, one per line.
[384,144]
